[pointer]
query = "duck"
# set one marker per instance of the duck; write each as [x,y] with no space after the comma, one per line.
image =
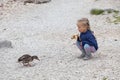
[26,59]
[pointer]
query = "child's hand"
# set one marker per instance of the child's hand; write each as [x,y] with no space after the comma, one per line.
[75,36]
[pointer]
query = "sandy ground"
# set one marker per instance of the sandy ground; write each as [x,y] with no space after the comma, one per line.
[45,30]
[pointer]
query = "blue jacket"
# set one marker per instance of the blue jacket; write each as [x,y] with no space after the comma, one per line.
[88,38]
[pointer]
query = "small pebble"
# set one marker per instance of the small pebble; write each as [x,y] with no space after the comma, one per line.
[1,5]
[115,39]
[4,29]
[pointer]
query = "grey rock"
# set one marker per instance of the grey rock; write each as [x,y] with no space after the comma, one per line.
[5,44]
[36,1]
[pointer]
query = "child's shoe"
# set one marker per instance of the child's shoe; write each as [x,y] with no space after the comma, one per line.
[82,56]
[87,57]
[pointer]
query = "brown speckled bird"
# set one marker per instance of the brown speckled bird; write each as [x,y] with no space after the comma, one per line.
[26,59]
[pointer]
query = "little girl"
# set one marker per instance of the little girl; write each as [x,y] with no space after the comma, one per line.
[86,42]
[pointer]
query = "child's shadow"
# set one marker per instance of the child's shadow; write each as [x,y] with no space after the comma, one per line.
[98,56]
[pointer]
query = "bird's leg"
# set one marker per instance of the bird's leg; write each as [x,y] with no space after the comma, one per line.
[24,64]
[29,65]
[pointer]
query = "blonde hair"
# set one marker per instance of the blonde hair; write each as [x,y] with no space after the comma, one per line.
[85,21]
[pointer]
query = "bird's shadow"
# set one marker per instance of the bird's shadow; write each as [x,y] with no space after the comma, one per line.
[25,66]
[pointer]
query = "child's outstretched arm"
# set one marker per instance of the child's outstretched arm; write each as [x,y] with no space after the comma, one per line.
[78,39]
[75,36]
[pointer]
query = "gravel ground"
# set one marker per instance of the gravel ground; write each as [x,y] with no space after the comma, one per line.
[45,30]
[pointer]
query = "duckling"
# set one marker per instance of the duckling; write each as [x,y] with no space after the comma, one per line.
[26,59]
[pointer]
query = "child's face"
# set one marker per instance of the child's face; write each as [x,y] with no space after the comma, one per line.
[81,27]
